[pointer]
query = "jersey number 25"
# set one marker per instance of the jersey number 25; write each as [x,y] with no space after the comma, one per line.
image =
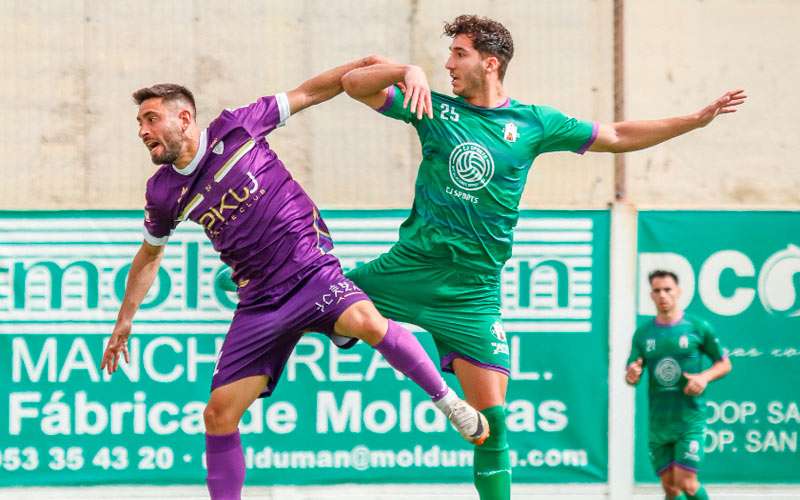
[448,113]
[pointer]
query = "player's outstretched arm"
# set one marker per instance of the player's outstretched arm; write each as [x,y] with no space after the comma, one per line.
[326,85]
[370,85]
[144,269]
[621,137]
[696,382]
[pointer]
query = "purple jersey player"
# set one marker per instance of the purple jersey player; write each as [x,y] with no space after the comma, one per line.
[227,179]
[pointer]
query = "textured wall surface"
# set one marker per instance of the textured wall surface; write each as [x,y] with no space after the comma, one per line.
[681,54]
[69,138]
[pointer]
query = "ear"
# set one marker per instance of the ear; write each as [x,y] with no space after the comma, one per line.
[185,117]
[491,64]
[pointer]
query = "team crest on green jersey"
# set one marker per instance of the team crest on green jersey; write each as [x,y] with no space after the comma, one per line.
[510,132]
[471,166]
[668,372]
[498,331]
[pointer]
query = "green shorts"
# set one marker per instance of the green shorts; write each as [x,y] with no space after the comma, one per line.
[460,310]
[682,449]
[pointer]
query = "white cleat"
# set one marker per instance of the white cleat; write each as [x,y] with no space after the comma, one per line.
[468,421]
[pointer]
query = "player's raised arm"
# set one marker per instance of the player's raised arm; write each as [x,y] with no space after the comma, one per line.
[370,85]
[144,269]
[324,86]
[621,137]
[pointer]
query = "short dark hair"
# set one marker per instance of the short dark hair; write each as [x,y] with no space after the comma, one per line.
[488,37]
[168,92]
[661,273]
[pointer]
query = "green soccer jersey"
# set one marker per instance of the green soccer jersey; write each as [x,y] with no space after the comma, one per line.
[669,351]
[474,165]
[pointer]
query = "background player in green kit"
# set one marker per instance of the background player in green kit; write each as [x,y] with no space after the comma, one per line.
[477,148]
[671,347]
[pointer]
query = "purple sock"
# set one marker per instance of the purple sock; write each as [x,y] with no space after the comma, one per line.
[404,352]
[225,463]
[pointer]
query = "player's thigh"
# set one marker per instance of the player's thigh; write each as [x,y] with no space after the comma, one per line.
[483,387]
[228,403]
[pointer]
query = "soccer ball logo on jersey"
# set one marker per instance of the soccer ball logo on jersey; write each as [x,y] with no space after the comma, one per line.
[471,166]
[667,372]
[651,345]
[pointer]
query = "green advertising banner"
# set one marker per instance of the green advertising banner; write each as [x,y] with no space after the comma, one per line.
[740,271]
[336,416]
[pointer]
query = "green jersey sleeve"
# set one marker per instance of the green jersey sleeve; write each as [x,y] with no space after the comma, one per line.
[393,106]
[563,133]
[711,346]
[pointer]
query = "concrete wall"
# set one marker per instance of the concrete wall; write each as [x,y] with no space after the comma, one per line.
[683,53]
[69,138]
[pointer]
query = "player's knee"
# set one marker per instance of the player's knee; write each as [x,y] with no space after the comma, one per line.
[366,324]
[671,490]
[690,485]
[374,326]
[218,420]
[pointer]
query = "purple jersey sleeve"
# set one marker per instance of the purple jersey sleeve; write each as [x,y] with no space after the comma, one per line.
[263,116]
[158,221]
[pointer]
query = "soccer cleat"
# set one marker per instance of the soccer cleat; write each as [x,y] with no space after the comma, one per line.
[468,421]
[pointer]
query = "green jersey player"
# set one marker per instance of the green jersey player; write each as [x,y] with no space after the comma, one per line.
[477,148]
[671,347]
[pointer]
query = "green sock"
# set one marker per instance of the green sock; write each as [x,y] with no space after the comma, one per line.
[679,497]
[700,494]
[492,465]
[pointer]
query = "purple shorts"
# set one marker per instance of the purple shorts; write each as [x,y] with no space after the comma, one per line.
[264,333]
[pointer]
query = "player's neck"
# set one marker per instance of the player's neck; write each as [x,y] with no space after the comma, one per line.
[191,144]
[490,96]
[670,317]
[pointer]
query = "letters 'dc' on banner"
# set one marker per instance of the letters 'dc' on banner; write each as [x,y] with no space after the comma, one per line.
[740,271]
[336,416]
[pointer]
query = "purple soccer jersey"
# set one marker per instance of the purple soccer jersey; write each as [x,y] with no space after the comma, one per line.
[265,227]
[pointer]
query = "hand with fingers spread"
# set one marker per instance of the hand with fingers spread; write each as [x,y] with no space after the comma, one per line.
[118,344]
[634,372]
[417,92]
[727,103]
[695,384]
